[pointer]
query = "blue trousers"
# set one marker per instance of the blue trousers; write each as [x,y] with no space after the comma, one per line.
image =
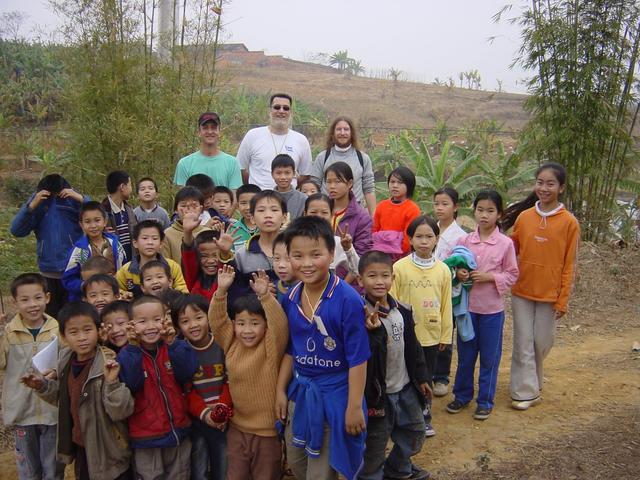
[487,343]
[208,452]
[36,453]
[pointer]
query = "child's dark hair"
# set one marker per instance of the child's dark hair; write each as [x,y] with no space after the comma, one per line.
[191,300]
[188,193]
[101,278]
[171,298]
[53,183]
[77,309]
[512,212]
[312,227]
[422,220]
[202,182]
[248,188]
[225,190]
[452,193]
[115,179]
[406,176]
[318,196]
[149,223]
[374,256]
[312,182]
[283,161]
[100,264]
[28,279]
[113,307]
[143,300]
[247,303]
[92,206]
[279,239]
[155,264]
[272,194]
[146,179]
[490,195]
[342,170]
[206,236]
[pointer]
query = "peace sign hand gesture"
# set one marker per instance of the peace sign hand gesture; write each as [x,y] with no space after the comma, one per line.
[346,240]
[372,319]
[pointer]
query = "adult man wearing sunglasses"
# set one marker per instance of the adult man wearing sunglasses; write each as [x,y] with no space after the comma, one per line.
[261,145]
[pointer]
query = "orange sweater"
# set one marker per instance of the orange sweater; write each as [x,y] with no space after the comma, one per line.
[395,217]
[547,249]
[252,372]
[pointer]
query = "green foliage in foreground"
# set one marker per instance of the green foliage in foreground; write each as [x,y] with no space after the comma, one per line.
[17,255]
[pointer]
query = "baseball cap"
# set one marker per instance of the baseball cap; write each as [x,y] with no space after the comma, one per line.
[209,117]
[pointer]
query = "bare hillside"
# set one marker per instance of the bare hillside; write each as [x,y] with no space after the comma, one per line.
[381,103]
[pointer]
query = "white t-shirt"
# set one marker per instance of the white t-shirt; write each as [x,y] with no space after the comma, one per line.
[259,147]
[449,239]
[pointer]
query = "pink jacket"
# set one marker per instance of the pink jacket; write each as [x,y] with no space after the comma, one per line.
[495,255]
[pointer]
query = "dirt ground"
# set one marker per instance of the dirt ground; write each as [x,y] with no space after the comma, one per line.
[588,425]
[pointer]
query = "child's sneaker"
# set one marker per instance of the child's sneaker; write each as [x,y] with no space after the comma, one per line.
[482,413]
[417,473]
[429,431]
[456,406]
[440,389]
[525,404]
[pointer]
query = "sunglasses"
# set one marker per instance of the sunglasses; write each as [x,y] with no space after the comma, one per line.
[286,108]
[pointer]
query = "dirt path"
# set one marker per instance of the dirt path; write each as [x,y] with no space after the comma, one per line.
[588,425]
[592,390]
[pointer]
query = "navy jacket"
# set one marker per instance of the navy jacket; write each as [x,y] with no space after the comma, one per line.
[375,388]
[55,222]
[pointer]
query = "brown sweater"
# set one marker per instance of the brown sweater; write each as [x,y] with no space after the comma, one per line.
[252,372]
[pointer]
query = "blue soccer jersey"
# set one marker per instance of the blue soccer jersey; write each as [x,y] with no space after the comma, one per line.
[335,339]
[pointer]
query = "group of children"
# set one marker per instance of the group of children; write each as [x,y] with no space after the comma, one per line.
[197,346]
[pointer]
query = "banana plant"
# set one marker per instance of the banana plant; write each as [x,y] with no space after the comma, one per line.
[506,173]
[453,167]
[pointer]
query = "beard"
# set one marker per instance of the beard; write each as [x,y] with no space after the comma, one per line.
[280,123]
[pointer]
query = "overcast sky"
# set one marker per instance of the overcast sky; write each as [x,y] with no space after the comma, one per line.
[423,38]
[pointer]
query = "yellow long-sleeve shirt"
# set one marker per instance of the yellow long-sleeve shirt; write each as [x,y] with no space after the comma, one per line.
[428,291]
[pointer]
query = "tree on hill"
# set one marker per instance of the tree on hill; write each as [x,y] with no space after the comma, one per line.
[395,74]
[355,67]
[340,60]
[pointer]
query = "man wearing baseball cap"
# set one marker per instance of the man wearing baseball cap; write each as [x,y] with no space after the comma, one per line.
[220,166]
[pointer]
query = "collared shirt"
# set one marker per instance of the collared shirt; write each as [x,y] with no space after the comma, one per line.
[115,208]
[335,339]
[448,239]
[495,255]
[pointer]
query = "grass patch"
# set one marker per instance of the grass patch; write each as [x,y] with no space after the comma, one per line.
[17,255]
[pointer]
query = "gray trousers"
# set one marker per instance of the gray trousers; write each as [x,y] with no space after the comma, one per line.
[169,463]
[534,330]
[303,467]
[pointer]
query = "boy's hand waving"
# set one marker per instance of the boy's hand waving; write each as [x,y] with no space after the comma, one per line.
[226,275]
[190,221]
[260,283]
[111,371]
[225,242]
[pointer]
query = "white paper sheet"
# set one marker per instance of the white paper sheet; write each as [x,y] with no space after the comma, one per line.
[47,358]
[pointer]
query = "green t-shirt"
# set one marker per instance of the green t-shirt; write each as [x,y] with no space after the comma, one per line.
[223,169]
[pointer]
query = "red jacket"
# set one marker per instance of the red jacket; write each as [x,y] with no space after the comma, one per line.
[193,276]
[160,417]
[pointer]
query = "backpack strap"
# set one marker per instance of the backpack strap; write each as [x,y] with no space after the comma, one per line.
[358,152]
